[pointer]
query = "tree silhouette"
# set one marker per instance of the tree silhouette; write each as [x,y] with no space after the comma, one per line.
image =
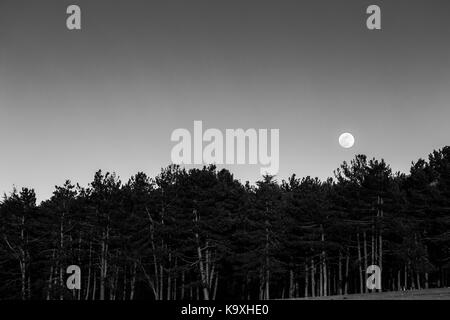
[201,234]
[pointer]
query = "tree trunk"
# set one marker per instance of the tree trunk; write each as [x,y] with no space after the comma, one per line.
[182,285]
[89,272]
[359,263]
[203,277]
[365,258]
[94,288]
[380,237]
[169,278]
[347,262]
[215,286]
[133,281]
[291,284]
[61,256]
[324,266]
[418,280]
[267,277]
[372,237]
[320,277]
[306,279]
[124,288]
[406,278]
[50,279]
[313,280]
[339,284]
[104,261]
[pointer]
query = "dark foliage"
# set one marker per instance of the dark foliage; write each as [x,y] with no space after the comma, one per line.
[201,234]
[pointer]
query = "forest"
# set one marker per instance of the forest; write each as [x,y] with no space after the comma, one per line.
[200,234]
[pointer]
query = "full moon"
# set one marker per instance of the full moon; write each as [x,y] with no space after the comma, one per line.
[346,140]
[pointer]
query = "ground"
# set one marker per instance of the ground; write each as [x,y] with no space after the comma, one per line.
[426,294]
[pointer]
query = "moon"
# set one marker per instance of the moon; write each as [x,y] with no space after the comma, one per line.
[346,140]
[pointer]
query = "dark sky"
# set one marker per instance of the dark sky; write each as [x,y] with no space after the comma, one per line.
[110,95]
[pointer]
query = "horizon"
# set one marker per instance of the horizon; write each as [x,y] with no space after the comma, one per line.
[40,199]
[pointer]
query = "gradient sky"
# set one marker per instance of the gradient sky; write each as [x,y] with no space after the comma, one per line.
[109,96]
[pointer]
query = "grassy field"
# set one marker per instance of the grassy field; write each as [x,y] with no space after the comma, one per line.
[426,294]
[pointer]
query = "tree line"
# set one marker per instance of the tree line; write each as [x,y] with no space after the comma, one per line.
[200,234]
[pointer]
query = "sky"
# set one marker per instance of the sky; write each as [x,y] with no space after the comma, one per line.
[110,95]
